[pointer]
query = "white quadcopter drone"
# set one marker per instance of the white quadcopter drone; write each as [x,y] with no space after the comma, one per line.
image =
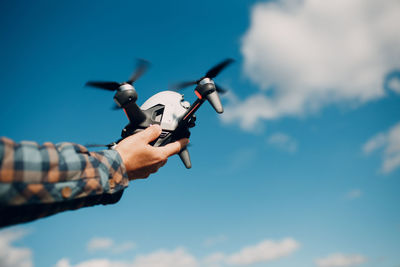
[166,108]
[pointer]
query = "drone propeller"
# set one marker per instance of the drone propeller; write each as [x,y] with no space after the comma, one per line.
[182,85]
[111,86]
[214,71]
[115,107]
[141,67]
[211,74]
[220,89]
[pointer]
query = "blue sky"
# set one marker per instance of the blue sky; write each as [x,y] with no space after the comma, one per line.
[301,170]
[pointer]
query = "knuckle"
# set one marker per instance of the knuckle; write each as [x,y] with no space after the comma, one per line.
[155,129]
[177,147]
[164,157]
[159,157]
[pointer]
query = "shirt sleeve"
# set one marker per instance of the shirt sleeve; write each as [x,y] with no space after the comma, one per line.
[40,180]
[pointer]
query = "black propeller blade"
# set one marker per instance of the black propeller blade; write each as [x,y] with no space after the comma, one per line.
[182,85]
[111,86]
[212,73]
[220,89]
[116,107]
[141,67]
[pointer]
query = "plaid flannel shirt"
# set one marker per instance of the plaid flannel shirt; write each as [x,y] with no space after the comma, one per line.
[40,180]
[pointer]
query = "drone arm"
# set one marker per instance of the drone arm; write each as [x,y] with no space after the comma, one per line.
[193,108]
[134,113]
[126,98]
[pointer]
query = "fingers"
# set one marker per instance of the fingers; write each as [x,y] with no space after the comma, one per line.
[145,172]
[150,133]
[175,147]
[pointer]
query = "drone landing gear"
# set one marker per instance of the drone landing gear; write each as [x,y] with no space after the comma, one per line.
[185,157]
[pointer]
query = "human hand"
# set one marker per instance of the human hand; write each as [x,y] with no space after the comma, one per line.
[140,158]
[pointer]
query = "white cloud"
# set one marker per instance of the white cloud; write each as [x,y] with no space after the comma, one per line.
[264,251]
[353,194]
[11,256]
[311,53]
[92,263]
[123,247]
[283,141]
[162,258]
[340,260]
[215,259]
[394,85]
[375,143]
[390,143]
[107,244]
[99,243]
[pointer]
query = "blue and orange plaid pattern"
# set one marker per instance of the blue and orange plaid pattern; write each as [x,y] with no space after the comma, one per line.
[40,180]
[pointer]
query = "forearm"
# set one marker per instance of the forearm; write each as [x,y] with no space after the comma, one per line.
[36,181]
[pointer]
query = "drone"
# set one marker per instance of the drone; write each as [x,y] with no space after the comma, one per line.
[168,108]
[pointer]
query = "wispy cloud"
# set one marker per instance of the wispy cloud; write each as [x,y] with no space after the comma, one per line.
[92,263]
[161,258]
[283,142]
[375,143]
[238,160]
[309,54]
[340,260]
[107,244]
[164,258]
[353,194]
[10,255]
[123,247]
[394,85]
[389,142]
[215,240]
[264,251]
[99,243]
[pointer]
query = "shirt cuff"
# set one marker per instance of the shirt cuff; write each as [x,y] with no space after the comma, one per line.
[113,175]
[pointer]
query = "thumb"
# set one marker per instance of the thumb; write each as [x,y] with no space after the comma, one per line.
[175,147]
[150,133]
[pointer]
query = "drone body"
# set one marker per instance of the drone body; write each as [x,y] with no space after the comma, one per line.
[173,108]
[166,108]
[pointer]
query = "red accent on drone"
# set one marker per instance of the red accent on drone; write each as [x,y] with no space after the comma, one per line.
[125,113]
[198,94]
[191,111]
